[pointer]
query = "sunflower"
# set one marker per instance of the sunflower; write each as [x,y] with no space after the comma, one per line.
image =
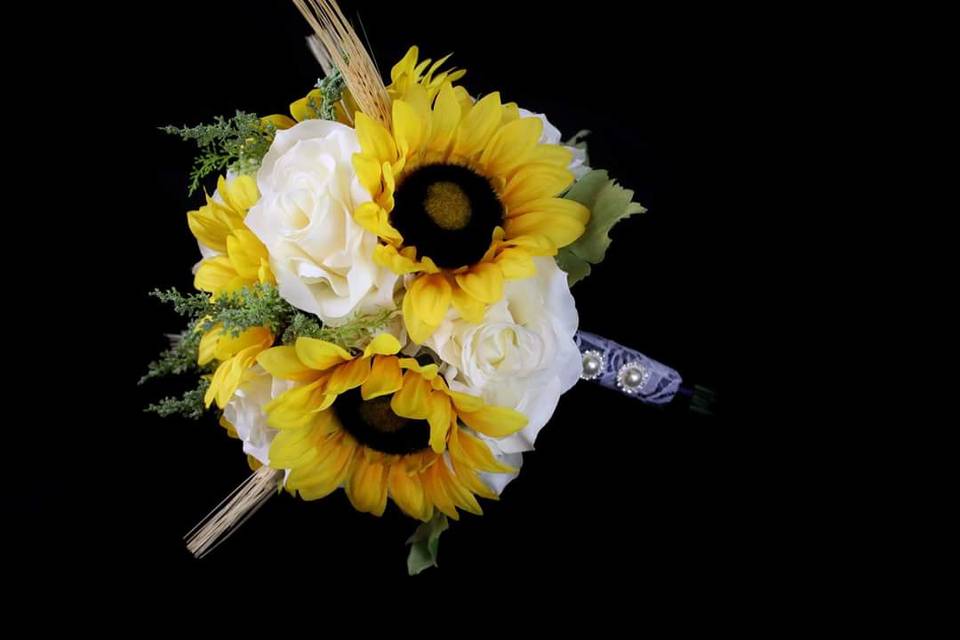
[381,426]
[464,194]
[235,354]
[238,260]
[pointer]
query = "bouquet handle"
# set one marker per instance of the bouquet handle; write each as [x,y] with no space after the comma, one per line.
[629,372]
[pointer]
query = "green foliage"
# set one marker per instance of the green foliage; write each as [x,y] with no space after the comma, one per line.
[179,358]
[425,544]
[238,143]
[259,305]
[331,92]
[189,405]
[351,335]
[608,203]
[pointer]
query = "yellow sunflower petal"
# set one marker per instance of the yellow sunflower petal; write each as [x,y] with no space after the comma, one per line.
[495,422]
[469,308]
[228,377]
[374,218]
[348,375]
[332,473]
[446,117]
[465,402]
[561,230]
[561,207]
[310,467]
[434,486]
[296,408]
[475,453]
[464,99]
[230,345]
[535,245]
[279,121]
[240,193]
[282,362]
[384,344]
[430,298]
[385,378]
[290,446]
[367,489]
[482,281]
[428,371]
[412,400]
[406,64]
[439,418]
[389,172]
[224,381]
[425,304]
[554,154]
[460,495]
[471,482]
[212,223]
[245,252]
[400,262]
[407,491]
[302,110]
[477,127]
[217,275]
[516,263]
[418,330]
[375,140]
[407,127]
[534,181]
[510,146]
[320,354]
[208,345]
[368,172]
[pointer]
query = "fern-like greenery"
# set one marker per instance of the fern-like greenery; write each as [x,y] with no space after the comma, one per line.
[258,305]
[238,143]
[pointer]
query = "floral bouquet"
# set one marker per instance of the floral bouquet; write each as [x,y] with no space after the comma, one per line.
[384,299]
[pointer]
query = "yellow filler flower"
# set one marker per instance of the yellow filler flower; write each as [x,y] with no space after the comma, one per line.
[464,194]
[381,426]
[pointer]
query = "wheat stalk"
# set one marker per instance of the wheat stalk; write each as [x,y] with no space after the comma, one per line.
[233,511]
[345,50]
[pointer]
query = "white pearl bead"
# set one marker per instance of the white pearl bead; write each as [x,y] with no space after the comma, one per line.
[592,364]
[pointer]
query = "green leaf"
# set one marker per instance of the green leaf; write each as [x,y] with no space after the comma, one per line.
[425,543]
[609,203]
[576,267]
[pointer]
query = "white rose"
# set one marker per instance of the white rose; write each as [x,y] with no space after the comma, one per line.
[245,411]
[521,356]
[322,259]
[551,135]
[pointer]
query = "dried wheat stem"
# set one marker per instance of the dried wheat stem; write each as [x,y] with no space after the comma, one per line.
[345,50]
[233,511]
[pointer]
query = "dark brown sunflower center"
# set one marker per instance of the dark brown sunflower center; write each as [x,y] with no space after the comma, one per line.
[448,213]
[374,424]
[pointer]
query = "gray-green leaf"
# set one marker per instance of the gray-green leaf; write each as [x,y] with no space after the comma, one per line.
[608,203]
[425,543]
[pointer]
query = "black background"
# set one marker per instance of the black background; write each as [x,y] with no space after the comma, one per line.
[651,496]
